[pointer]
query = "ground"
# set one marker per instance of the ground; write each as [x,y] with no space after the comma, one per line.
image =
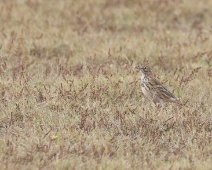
[70,94]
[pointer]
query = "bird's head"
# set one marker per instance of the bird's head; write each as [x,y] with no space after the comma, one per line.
[145,70]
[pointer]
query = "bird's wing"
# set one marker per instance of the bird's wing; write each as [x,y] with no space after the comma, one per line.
[161,91]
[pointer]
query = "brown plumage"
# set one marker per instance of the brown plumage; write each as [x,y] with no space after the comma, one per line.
[153,89]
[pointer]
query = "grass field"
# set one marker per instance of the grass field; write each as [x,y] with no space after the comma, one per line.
[70,94]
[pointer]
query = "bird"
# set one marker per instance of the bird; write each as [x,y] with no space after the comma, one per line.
[154,90]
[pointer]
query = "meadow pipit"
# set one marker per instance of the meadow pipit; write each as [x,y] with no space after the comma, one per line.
[153,89]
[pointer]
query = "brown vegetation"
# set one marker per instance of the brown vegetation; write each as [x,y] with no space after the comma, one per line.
[70,94]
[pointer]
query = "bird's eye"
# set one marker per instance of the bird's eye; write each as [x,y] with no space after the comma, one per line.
[145,68]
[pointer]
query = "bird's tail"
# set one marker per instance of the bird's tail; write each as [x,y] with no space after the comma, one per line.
[183,104]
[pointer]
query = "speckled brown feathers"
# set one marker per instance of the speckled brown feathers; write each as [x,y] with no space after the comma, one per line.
[153,89]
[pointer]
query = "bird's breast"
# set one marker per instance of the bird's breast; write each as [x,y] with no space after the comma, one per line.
[146,92]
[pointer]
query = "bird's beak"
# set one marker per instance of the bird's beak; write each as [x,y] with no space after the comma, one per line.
[137,68]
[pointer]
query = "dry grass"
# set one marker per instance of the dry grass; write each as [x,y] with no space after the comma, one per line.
[71,98]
